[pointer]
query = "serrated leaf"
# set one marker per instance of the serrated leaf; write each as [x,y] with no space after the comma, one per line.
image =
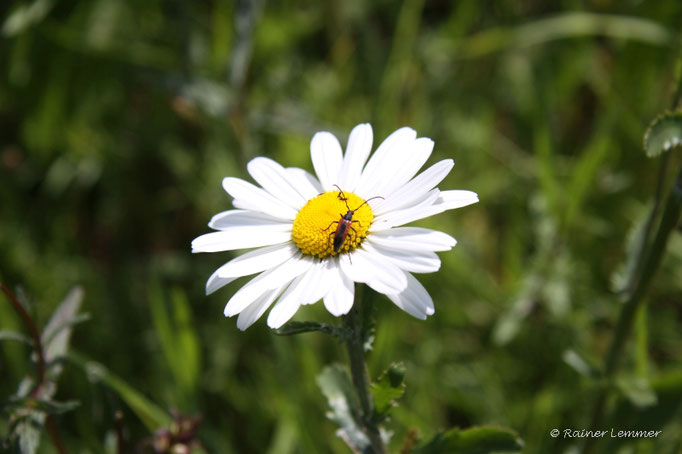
[13,335]
[388,389]
[338,389]
[664,134]
[476,440]
[292,328]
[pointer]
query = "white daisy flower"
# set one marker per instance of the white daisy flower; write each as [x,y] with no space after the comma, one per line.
[313,238]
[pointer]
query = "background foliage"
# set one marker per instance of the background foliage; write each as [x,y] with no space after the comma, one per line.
[118,120]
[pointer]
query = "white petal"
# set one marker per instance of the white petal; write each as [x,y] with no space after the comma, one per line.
[215,282]
[268,280]
[414,300]
[306,184]
[415,189]
[257,260]
[274,179]
[414,158]
[423,208]
[250,197]
[374,270]
[248,316]
[376,171]
[244,239]
[340,300]
[319,279]
[403,166]
[446,200]
[358,149]
[250,219]
[413,239]
[326,154]
[413,261]
[456,199]
[287,305]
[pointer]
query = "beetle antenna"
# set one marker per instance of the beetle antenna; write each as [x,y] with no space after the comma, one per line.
[344,198]
[371,198]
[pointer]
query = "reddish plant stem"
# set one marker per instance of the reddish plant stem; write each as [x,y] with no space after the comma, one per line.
[120,439]
[38,345]
[54,435]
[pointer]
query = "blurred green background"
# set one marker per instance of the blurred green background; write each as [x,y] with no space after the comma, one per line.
[118,120]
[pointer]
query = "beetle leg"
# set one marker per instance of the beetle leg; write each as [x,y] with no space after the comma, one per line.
[354,231]
[330,224]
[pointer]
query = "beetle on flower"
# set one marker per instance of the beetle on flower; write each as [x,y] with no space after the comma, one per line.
[287,220]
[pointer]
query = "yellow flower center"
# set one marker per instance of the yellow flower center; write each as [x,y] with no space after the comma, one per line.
[320,221]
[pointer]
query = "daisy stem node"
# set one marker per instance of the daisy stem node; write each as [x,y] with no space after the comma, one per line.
[357,321]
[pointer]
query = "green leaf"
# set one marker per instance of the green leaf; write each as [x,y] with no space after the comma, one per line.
[149,413]
[187,346]
[664,134]
[77,319]
[388,389]
[25,16]
[28,433]
[292,328]
[580,365]
[637,390]
[30,404]
[53,407]
[624,277]
[338,389]
[177,336]
[476,440]
[626,415]
[55,336]
[13,335]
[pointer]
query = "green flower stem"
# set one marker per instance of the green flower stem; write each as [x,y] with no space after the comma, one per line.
[651,261]
[669,221]
[356,322]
